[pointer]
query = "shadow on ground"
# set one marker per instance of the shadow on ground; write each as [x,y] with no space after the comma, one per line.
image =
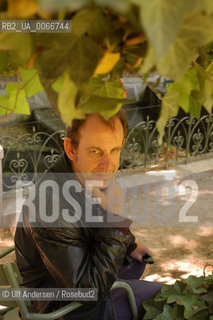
[178,252]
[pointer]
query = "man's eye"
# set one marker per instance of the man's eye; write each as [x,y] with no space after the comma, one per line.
[95,151]
[116,150]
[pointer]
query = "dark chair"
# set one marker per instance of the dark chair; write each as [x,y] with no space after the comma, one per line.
[10,278]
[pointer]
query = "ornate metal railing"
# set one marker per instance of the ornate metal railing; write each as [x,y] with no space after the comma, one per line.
[29,155]
[184,140]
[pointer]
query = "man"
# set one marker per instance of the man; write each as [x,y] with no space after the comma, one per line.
[93,250]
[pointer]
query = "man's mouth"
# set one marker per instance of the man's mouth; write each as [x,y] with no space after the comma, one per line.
[103,176]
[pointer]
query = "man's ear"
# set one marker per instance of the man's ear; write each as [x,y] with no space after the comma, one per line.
[69,149]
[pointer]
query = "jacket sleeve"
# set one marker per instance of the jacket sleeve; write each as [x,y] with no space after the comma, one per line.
[82,257]
[132,244]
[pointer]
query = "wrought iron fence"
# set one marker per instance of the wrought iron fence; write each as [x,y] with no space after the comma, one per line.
[29,155]
[184,140]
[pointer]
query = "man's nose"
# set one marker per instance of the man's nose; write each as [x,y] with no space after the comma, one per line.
[106,162]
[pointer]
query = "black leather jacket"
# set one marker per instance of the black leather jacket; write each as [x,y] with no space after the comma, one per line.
[66,256]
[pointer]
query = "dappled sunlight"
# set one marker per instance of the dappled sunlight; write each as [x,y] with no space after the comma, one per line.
[185,267]
[6,237]
[182,270]
[205,231]
[177,252]
[167,174]
[2,307]
[6,243]
[180,241]
[204,192]
[158,278]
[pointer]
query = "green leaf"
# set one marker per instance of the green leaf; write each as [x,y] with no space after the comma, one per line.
[167,290]
[4,108]
[57,85]
[191,80]
[203,6]
[208,6]
[203,314]
[205,95]
[185,87]
[53,62]
[22,9]
[54,40]
[196,30]
[174,298]
[149,61]
[196,284]
[104,106]
[66,102]
[208,105]
[87,104]
[179,312]
[208,296]
[54,5]
[180,93]
[21,105]
[192,304]
[91,21]
[120,6]
[195,110]
[3,61]
[161,20]
[17,103]
[152,308]
[14,60]
[168,314]
[209,280]
[210,307]
[107,88]
[160,297]
[170,106]
[31,82]
[20,43]
[82,59]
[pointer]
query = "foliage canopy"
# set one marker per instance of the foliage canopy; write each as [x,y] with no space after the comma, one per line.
[81,71]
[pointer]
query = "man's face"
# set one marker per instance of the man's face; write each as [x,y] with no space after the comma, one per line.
[98,153]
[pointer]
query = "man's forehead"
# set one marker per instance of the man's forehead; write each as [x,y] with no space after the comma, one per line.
[96,123]
[96,129]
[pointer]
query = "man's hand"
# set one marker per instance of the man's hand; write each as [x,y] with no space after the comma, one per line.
[139,251]
[111,198]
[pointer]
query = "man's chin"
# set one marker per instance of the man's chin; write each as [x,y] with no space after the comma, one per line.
[106,184]
[105,178]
